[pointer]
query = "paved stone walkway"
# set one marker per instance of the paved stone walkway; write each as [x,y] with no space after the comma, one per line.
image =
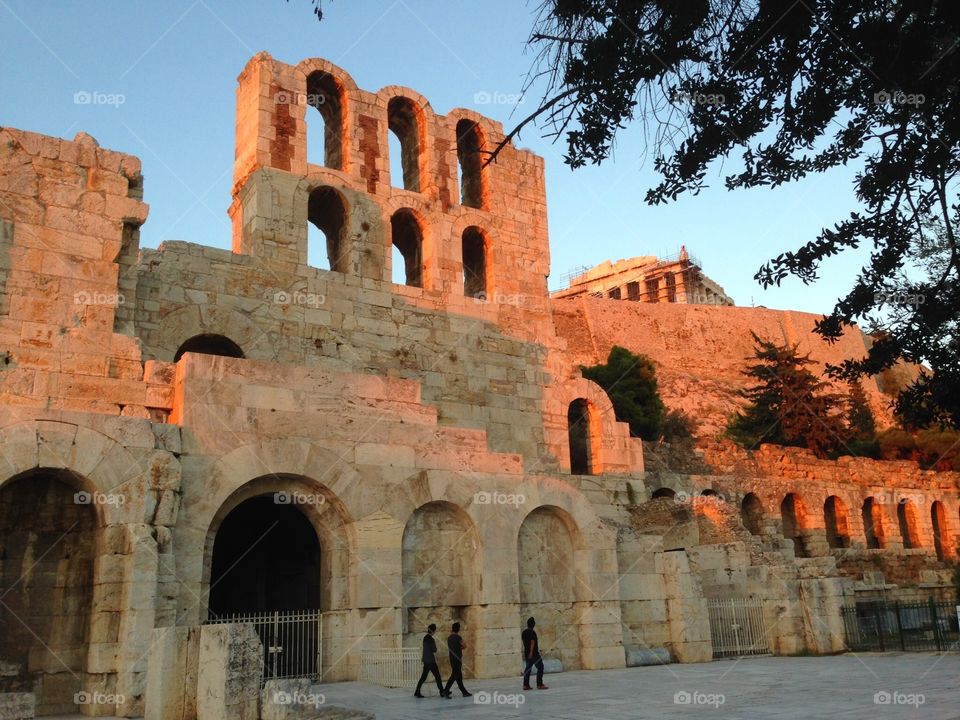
[869,686]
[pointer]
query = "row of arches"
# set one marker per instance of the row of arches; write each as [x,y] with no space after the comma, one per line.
[327,214]
[837,526]
[328,140]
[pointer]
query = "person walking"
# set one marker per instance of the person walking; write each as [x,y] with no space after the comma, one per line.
[429,658]
[531,656]
[456,646]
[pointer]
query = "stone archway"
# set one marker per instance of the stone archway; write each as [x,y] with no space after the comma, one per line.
[49,537]
[794,517]
[548,544]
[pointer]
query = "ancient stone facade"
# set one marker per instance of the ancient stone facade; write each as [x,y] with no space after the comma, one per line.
[188,434]
[648,279]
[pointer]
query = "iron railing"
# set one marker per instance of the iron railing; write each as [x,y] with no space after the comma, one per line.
[391,668]
[904,626]
[292,641]
[737,627]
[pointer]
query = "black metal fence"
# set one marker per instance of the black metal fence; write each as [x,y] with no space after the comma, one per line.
[902,626]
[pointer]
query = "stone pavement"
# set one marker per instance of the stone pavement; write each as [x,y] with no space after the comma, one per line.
[915,685]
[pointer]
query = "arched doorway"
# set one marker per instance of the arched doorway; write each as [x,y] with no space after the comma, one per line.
[907,518]
[751,514]
[440,544]
[266,558]
[836,522]
[48,545]
[582,435]
[873,530]
[209,344]
[546,554]
[794,517]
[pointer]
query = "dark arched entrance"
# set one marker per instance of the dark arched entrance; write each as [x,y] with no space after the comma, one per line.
[266,558]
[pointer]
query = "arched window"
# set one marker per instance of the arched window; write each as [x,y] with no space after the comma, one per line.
[751,514]
[836,522]
[872,524]
[663,492]
[470,158]
[327,215]
[475,263]
[209,344]
[324,120]
[794,518]
[403,121]
[907,517]
[581,435]
[941,533]
[408,244]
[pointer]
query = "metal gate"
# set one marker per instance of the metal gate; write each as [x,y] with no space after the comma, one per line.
[391,667]
[904,626]
[737,627]
[292,641]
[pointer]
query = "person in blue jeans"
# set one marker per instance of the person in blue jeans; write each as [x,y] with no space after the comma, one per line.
[531,656]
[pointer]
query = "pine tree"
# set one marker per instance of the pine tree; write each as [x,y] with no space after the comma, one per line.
[788,405]
[630,381]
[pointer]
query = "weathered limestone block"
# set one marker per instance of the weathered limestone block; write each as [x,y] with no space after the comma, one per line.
[230,665]
[172,674]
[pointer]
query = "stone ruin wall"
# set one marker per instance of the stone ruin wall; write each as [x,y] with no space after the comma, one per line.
[470,396]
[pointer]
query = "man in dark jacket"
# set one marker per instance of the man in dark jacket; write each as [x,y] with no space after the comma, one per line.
[456,646]
[430,661]
[531,656]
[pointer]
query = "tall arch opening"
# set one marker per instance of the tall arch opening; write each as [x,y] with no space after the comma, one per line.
[407,240]
[439,545]
[325,120]
[907,519]
[872,524]
[48,547]
[326,228]
[209,344]
[582,437]
[941,533]
[794,517]
[404,123]
[751,514]
[266,558]
[546,555]
[471,146]
[836,522]
[475,246]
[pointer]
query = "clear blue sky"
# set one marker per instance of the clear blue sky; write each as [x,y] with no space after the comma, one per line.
[175,63]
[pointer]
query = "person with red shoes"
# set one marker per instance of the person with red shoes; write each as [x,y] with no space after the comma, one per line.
[531,656]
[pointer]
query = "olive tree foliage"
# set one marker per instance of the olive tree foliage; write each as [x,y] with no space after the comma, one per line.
[793,88]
